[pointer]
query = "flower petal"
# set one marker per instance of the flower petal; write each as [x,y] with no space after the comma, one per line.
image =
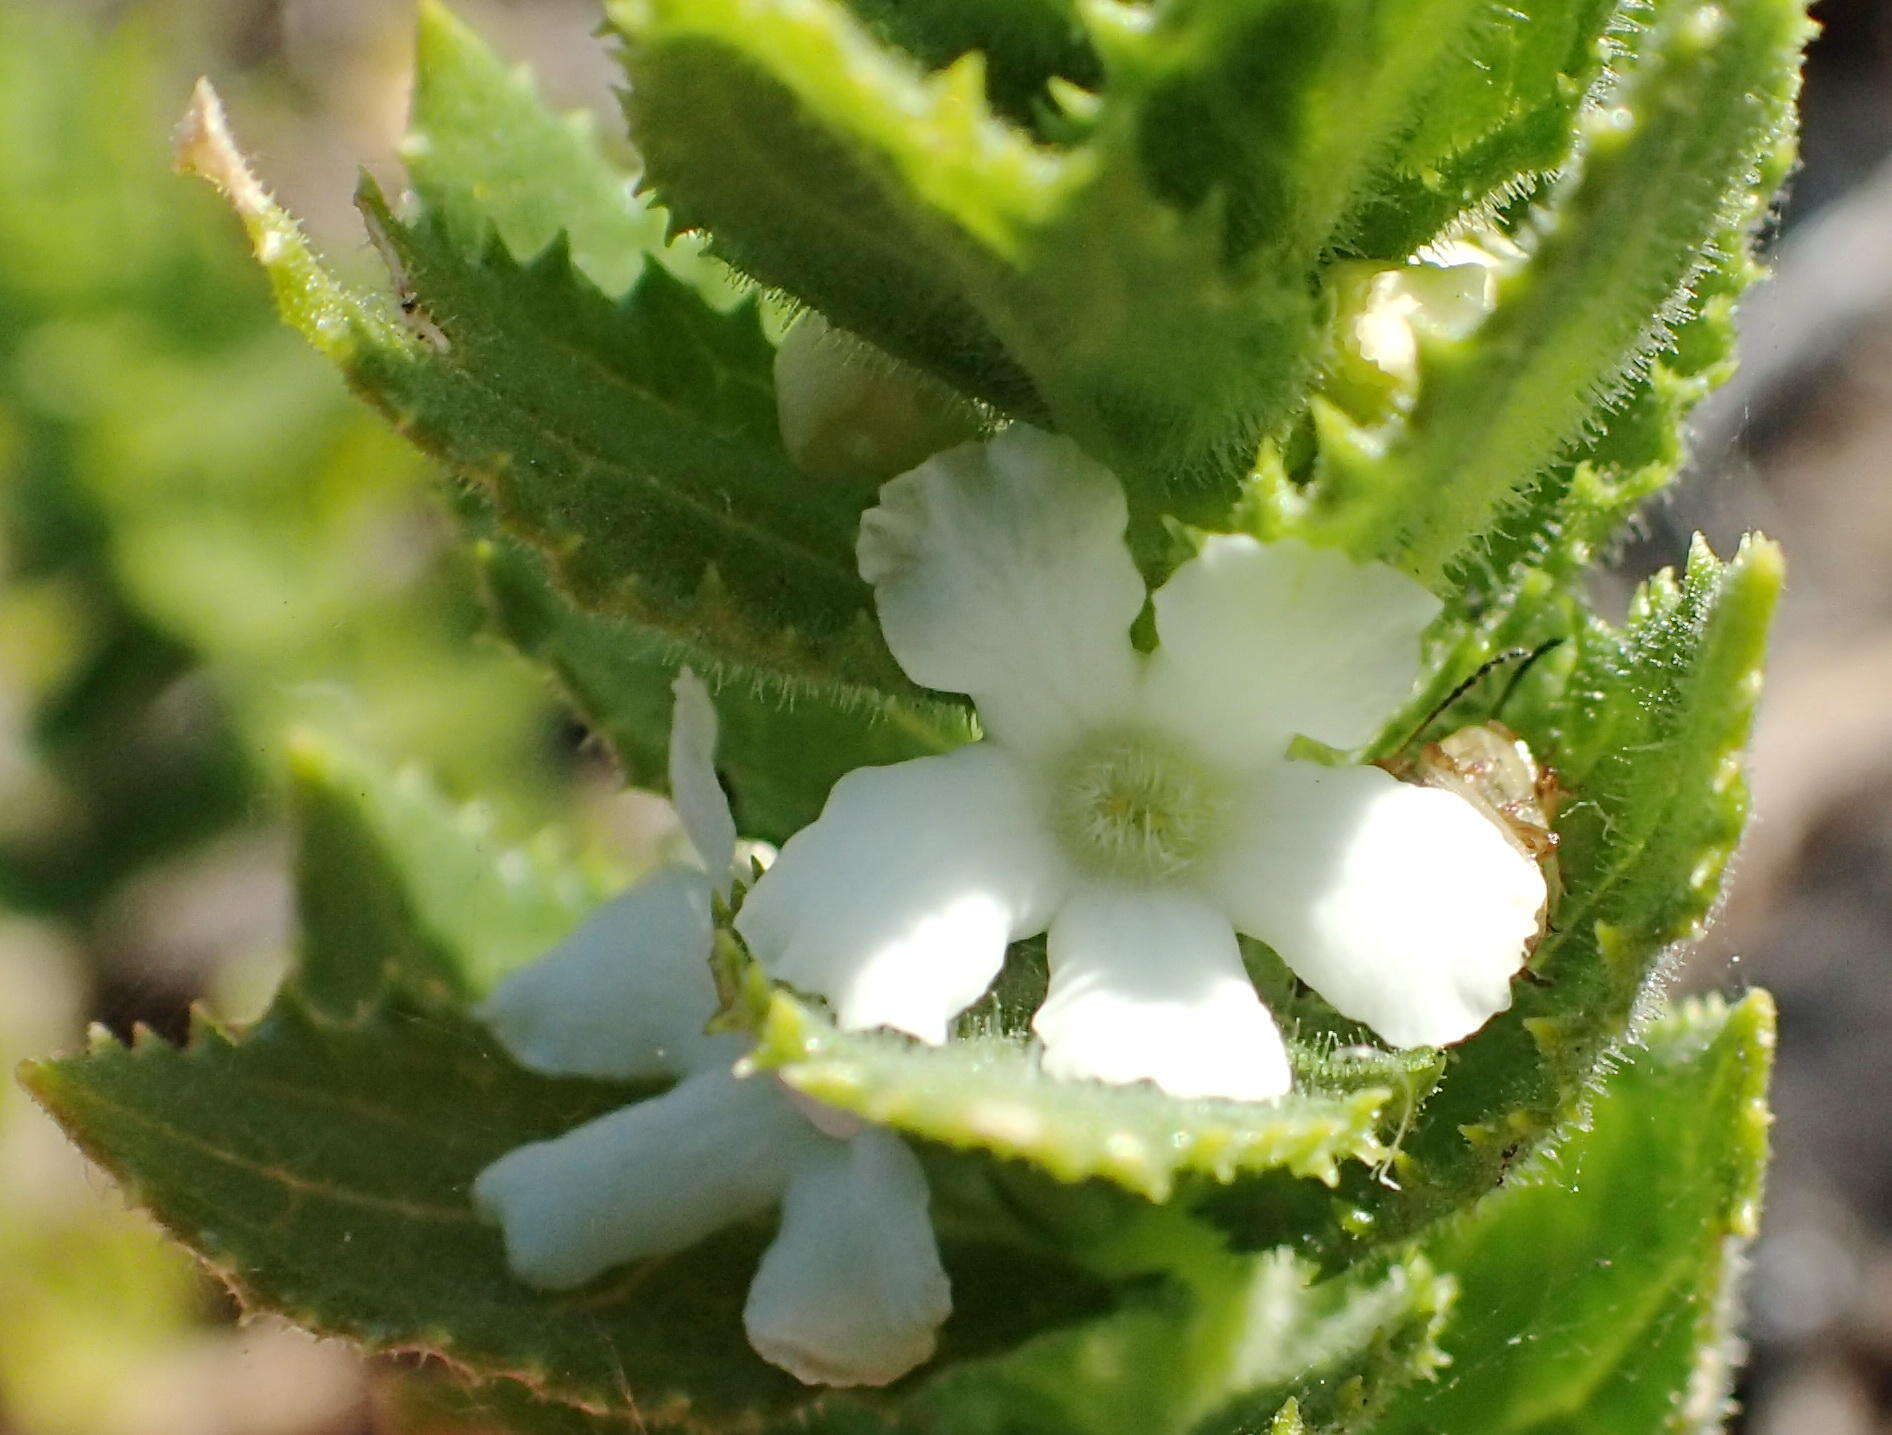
[852,1291]
[1258,642]
[898,902]
[1403,906]
[626,996]
[1000,571]
[701,804]
[651,1178]
[1148,985]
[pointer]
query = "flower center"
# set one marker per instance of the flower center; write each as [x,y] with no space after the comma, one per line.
[1135,805]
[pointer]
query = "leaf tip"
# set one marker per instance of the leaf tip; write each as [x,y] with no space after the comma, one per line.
[1761,554]
[202,145]
[33,1076]
[435,23]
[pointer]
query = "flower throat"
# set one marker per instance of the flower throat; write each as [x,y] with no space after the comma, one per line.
[1132,805]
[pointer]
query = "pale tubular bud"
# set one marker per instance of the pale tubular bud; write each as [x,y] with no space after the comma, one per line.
[1447,301]
[1382,311]
[852,414]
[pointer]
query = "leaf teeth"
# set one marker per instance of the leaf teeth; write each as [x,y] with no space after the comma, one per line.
[1120,30]
[205,1028]
[989,1095]
[457,373]
[145,1040]
[101,1039]
[322,1169]
[1073,101]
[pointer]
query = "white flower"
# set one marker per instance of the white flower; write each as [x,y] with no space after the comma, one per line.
[851,1292]
[1139,808]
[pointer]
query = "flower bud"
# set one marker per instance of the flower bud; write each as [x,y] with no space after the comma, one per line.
[1380,312]
[853,414]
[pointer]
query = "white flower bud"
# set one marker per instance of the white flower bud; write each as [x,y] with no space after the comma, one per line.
[852,414]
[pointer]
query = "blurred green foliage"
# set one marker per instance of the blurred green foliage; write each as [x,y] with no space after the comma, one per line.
[204,539]
[87,1293]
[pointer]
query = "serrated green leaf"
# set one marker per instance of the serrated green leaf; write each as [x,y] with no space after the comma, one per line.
[1649,747]
[1645,733]
[483,148]
[1517,595]
[321,1162]
[633,441]
[779,752]
[1026,44]
[323,1168]
[1574,511]
[1683,157]
[636,441]
[987,1094]
[732,105]
[1597,1293]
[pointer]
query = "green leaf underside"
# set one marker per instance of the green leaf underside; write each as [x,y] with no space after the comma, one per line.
[1645,734]
[1090,285]
[1071,280]
[987,1094]
[1674,168]
[690,97]
[633,441]
[1597,1293]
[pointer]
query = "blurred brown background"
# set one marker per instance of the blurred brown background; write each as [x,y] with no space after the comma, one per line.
[110,1334]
